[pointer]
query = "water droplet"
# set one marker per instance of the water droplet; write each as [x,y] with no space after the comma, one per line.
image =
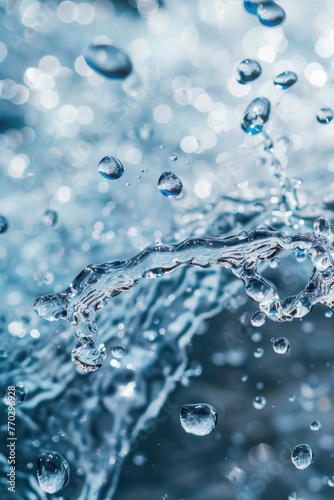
[87,356]
[285,80]
[20,396]
[139,459]
[198,419]
[256,115]
[53,471]
[110,168]
[118,351]
[270,14]
[174,157]
[259,402]
[247,71]
[3,224]
[292,398]
[169,184]
[258,319]
[109,61]
[244,378]
[302,456]
[258,353]
[315,425]
[292,496]
[281,345]
[50,218]
[325,115]
[330,481]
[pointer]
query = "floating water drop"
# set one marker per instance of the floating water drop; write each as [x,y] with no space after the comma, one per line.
[330,481]
[87,356]
[199,419]
[258,319]
[3,224]
[110,168]
[281,345]
[259,402]
[315,426]
[292,398]
[256,115]
[285,80]
[270,14]
[20,396]
[258,353]
[109,61]
[169,184]
[302,456]
[50,218]
[174,157]
[325,115]
[247,71]
[118,351]
[53,471]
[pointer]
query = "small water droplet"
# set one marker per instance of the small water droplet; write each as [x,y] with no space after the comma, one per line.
[110,168]
[274,263]
[302,456]
[87,356]
[109,61]
[315,425]
[270,14]
[259,402]
[292,496]
[53,471]
[20,396]
[244,378]
[139,459]
[325,115]
[3,224]
[174,157]
[50,218]
[258,319]
[247,71]
[281,345]
[258,353]
[169,184]
[292,398]
[285,80]
[118,351]
[198,419]
[330,481]
[252,5]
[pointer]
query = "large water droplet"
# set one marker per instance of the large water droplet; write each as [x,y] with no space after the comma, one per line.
[270,14]
[325,115]
[315,425]
[109,61]
[259,402]
[53,471]
[110,168]
[198,419]
[50,218]
[118,351]
[87,356]
[169,184]
[281,345]
[302,456]
[285,80]
[247,71]
[256,115]
[3,224]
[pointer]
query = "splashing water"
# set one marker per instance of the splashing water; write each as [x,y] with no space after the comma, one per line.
[62,117]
